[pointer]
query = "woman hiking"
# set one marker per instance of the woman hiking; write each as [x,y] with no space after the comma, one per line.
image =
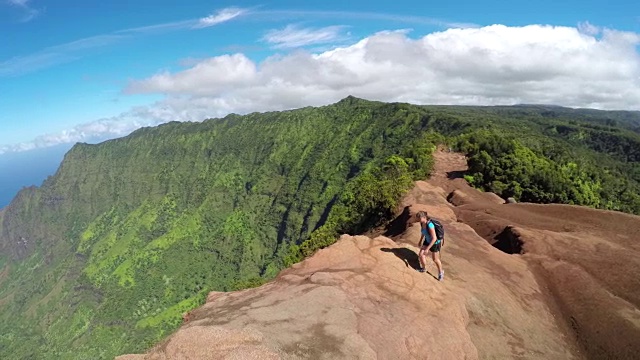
[431,243]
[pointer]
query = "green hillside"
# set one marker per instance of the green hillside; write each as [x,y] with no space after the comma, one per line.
[582,157]
[106,255]
[130,233]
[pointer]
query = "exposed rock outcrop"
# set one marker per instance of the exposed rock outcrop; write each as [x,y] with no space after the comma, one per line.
[521,281]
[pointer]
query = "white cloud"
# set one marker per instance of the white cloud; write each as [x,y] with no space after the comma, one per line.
[98,130]
[64,53]
[471,66]
[293,36]
[67,52]
[359,15]
[221,16]
[54,55]
[18,2]
[30,12]
[588,28]
[211,75]
[159,28]
[490,65]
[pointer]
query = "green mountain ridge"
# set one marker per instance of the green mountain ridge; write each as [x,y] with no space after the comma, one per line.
[128,234]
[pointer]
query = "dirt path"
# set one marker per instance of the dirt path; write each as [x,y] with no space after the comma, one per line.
[448,169]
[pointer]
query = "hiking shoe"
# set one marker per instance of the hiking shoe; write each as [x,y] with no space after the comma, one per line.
[441,276]
[422,270]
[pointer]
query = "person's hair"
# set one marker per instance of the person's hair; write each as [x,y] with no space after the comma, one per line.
[421,214]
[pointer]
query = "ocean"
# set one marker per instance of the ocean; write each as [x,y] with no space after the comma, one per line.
[24,169]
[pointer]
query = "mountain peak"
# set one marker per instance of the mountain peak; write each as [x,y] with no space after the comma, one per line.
[351,100]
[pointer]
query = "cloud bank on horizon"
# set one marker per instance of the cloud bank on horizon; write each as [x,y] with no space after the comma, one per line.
[582,66]
[472,66]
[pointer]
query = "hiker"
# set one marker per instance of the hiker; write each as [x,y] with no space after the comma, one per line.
[431,243]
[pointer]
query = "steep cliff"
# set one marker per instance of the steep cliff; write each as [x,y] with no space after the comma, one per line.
[129,233]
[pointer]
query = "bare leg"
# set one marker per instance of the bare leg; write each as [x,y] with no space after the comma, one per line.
[423,259]
[436,259]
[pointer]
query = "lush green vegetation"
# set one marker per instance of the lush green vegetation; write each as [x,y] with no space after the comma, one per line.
[556,161]
[371,199]
[108,253]
[131,233]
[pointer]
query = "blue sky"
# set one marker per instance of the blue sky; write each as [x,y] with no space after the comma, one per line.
[72,70]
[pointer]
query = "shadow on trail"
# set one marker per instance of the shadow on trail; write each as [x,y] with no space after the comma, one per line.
[409,257]
[457,174]
[399,224]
